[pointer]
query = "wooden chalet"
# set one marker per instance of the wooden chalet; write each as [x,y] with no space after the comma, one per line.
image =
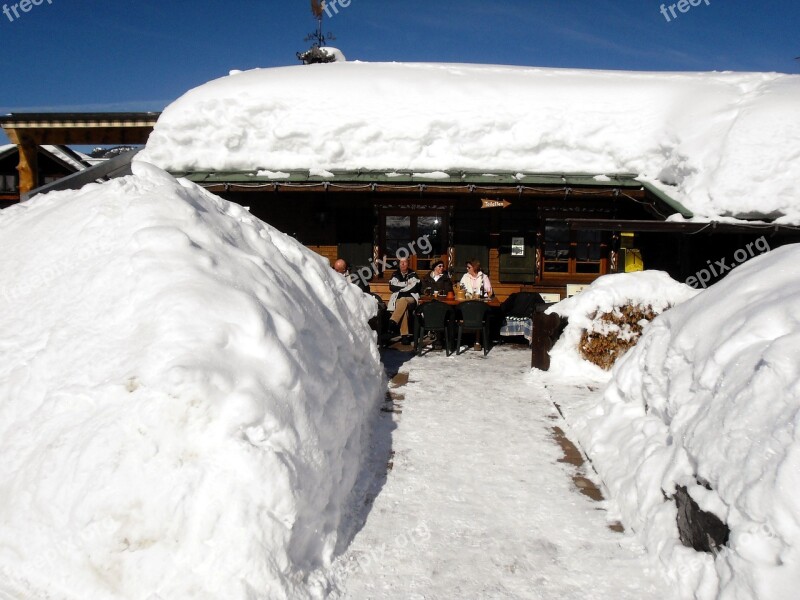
[530,231]
[549,233]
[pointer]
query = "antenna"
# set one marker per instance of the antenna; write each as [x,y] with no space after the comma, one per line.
[318,38]
[318,9]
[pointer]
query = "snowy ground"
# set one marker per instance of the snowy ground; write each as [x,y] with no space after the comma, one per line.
[478,501]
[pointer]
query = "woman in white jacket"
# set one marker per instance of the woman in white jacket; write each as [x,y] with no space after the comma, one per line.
[475,281]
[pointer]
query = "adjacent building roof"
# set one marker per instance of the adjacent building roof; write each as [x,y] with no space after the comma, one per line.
[72,160]
[79,128]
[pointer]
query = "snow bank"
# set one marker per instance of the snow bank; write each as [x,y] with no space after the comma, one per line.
[184,397]
[711,395]
[723,144]
[644,288]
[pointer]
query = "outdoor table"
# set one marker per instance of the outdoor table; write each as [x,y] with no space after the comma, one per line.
[492,302]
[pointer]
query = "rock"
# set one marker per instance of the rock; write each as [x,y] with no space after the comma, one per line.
[698,529]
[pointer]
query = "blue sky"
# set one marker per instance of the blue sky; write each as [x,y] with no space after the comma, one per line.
[122,55]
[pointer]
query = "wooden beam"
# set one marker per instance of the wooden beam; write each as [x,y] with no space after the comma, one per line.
[598,198]
[84,135]
[678,226]
[28,167]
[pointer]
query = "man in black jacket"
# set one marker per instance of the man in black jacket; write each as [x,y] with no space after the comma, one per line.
[405,293]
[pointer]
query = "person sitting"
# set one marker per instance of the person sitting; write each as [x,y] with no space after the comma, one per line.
[404,286]
[475,281]
[341,267]
[438,280]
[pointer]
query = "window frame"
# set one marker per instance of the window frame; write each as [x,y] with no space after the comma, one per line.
[573,271]
[413,213]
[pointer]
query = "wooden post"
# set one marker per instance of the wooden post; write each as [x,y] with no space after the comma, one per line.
[28,167]
[494,247]
[546,330]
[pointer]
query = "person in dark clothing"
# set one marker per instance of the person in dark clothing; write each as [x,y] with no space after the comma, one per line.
[405,293]
[438,280]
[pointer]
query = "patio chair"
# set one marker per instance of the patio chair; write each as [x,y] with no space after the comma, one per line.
[517,314]
[434,316]
[520,304]
[474,317]
[378,322]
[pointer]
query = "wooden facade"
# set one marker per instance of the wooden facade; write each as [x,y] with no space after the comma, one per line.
[517,226]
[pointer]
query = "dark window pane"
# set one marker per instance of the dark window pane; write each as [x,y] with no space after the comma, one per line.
[589,245]
[398,228]
[430,226]
[585,252]
[587,267]
[556,267]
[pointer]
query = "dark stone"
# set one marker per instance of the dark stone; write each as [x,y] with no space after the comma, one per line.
[315,56]
[546,330]
[698,529]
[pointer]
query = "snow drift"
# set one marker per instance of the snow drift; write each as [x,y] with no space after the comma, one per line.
[184,397]
[709,399]
[655,289]
[723,144]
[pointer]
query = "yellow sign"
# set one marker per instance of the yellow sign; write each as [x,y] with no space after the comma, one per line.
[633,260]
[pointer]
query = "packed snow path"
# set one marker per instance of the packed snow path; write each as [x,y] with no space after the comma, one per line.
[477,504]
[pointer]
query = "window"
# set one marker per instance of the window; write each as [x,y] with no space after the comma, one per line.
[589,251]
[567,253]
[8,183]
[418,234]
[556,248]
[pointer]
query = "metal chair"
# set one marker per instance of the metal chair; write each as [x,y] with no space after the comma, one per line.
[433,316]
[474,317]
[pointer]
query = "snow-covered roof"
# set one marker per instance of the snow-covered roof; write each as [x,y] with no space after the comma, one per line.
[6,148]
[65,155]
[69,157]
[722,144]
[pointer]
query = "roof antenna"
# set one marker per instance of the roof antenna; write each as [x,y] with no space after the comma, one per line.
[315,54]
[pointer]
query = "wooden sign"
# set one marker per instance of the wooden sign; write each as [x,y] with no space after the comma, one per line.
[486,203]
